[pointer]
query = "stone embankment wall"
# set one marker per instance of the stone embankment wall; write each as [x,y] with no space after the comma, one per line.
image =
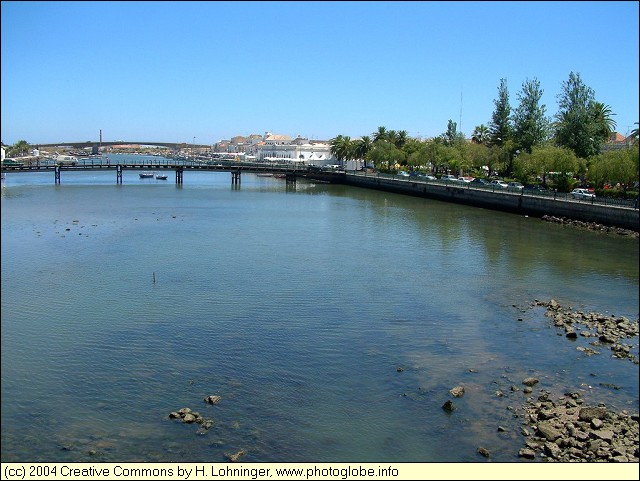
[514,202]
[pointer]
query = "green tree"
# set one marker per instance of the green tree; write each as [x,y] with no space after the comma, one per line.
[19,149]
[452,136]
[438,154]
[575,126]
[530,125]
[615,167]
[500,127]
[385,155]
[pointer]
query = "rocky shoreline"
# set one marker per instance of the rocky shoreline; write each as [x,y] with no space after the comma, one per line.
[566,430]
[591,226]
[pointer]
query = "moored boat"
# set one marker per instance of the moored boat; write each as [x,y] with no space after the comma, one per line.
[146,175]
[161,176]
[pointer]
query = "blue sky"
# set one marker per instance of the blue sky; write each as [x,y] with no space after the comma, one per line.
[172,71]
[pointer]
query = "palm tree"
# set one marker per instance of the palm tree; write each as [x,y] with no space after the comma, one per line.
[634,134]
[401,138]
[604,124]
[341,147]
[392,136]
[362,147]
[480,134]
[380,134]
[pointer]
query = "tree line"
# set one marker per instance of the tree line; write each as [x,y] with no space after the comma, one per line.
[521,144]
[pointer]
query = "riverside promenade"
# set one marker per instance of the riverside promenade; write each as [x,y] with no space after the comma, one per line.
[623,215]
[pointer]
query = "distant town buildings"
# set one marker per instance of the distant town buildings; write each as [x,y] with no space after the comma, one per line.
[276,147]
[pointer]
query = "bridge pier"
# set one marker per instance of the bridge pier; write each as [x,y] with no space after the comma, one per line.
[56,174]
[118,174]
[179,172]
[291,178]
[235,177]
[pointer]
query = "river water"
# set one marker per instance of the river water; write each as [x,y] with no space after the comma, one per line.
[331,320]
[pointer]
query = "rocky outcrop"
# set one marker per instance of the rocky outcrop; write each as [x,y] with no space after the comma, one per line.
[607,330]
[564,430]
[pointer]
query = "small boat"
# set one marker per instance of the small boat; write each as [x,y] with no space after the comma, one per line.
[264,174]
[161,176]
[280,176]
[146,175]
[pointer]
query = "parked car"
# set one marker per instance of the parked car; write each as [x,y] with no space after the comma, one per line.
[402,173]
[424,176]
[465,180]
[449,178]
[11,163]
[500,184]
[515,186]
[536,189]
[582,194]
[479,182]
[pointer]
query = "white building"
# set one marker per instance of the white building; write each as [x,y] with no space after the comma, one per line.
[283,149]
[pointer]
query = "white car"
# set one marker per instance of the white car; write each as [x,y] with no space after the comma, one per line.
[501,184]
[582,194]
[449,178]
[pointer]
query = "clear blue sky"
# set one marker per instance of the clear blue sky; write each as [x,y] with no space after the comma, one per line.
[172,71]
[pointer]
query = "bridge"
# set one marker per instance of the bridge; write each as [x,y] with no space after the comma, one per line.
[95,146]
[288,170]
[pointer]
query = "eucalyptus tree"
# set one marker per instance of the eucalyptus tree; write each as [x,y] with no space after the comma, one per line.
[575,126]
[530,125]
[480,135]
[500,128]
